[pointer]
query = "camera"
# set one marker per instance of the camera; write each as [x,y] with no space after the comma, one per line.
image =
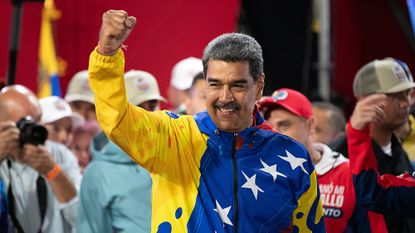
[30,132]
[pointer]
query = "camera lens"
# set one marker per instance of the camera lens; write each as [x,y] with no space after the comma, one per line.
[30,132]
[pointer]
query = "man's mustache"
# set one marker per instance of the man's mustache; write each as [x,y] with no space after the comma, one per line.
[229,105]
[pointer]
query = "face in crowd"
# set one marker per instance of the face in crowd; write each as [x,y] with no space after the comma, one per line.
[16,102]
[196,97]
[60,130]
[289,124]
[396,109]
[150,105]
[81,140]
[233,67]
[87,110]
[329,121]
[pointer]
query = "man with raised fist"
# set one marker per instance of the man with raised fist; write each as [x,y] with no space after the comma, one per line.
[222,170]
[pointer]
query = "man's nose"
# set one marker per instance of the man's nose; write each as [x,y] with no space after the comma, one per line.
[226,95]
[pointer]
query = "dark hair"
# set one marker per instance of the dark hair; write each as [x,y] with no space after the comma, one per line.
[267,112]
[235,47]
[337,119]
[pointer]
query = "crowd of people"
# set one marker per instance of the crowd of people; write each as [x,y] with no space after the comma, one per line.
[105,158]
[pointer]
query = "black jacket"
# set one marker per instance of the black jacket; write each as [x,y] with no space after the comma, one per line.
[396,164]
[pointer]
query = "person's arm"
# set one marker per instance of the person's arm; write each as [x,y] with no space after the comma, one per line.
[69,164]
[385,194]
[39,158]
[141,134]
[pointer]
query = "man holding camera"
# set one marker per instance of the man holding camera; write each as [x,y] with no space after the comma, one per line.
[41,180]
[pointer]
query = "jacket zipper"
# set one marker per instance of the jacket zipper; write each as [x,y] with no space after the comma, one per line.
[235,183]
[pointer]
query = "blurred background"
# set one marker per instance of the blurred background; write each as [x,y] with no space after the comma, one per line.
[315,47]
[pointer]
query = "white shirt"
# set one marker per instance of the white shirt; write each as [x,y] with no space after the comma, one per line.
[329,160]
[59,217]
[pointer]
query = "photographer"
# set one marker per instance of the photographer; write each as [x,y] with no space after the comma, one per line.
[41,180]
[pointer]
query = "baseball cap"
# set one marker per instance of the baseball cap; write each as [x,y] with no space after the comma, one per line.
[141,86]
[79,89]
[289,99]
[382,76]
[184,71]
[55,108]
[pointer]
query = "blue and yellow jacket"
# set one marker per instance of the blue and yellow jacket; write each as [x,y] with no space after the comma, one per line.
[206,180]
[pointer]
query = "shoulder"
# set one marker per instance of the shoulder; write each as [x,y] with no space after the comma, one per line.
[96,175]
[291,157]
[288,144]
[173,118]
[60,152]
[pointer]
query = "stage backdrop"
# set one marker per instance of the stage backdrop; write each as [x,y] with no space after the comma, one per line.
[167,31]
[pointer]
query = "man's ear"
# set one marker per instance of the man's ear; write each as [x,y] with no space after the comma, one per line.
[311,126]
[260,85]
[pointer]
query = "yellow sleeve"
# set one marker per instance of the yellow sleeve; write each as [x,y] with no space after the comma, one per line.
[308,216]
[149,138]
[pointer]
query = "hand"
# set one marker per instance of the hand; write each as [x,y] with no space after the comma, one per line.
[116,26]
[37,157]
[9,140]
[368,110]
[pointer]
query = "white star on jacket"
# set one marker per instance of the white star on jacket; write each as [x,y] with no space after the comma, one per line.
[223,213]
[272,170]
[294,162]
[250,184]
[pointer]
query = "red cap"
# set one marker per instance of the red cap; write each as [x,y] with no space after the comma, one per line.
[289,99]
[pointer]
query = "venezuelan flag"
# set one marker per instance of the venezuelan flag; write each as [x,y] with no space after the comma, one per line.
[48,82]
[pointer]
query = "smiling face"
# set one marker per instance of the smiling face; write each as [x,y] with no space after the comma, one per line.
[231,93]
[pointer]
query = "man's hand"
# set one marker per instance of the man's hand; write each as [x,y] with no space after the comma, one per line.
[368,110]
[9,140]
[37,157]
[116,26]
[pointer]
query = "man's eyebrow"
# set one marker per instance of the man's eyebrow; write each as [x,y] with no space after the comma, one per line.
[241,81]
[213,80]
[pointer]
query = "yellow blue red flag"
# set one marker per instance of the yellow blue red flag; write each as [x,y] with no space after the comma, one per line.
[48,82]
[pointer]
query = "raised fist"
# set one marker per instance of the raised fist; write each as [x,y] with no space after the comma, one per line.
[116,26]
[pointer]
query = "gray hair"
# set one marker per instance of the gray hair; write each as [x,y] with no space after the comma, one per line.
[337,119]
[235,47]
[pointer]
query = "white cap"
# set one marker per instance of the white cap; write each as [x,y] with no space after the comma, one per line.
[184,71]
[141,86]
[55,108]
[79,89]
